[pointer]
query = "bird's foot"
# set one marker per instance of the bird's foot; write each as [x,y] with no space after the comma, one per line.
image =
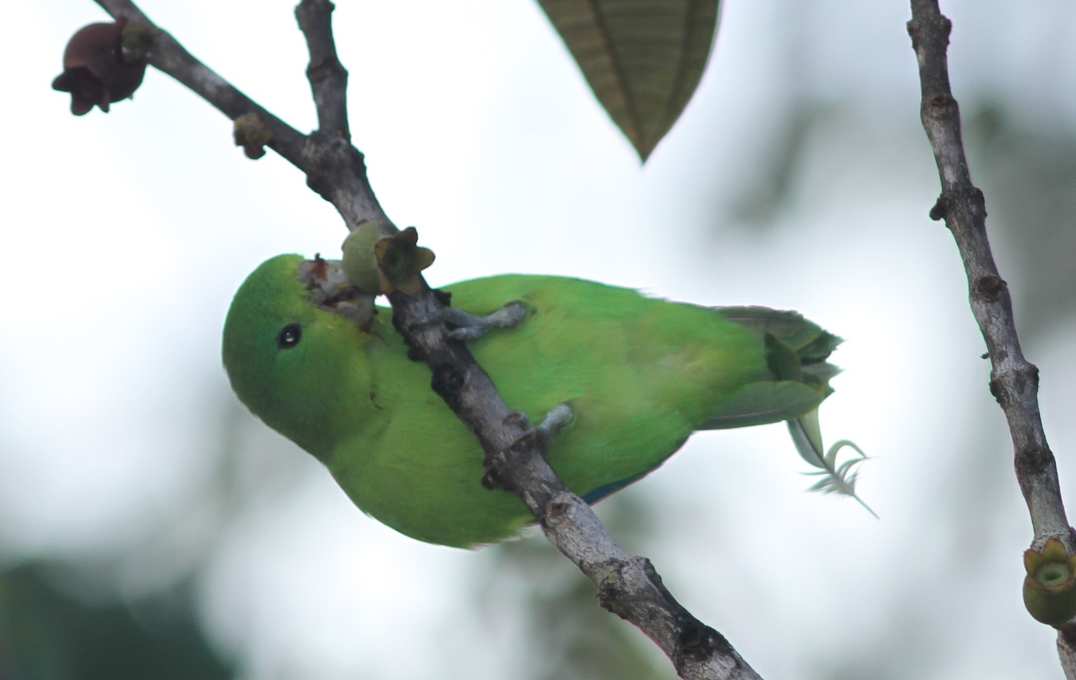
[558,418]
[465,327]
[554,422]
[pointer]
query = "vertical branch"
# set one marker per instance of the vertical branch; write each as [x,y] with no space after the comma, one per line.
[328,77]
[337,170]
[1014,381]
[1066,650]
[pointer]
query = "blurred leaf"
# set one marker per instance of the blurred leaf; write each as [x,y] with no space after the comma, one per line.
[642,58]
[47,633]
[771,180]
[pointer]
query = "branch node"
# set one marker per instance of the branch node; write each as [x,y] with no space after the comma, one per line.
[977,203]
[940,209]
[941,106]
[610,592]
[1032,460]
[946,27]
[447,381]
[989,288]
[515,419]
[325,70]
[697,642]
[555,510]
[1000,394]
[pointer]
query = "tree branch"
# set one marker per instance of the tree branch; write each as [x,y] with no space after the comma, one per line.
[172,58]
[334,169]
[1066,650]
[1014,380]
[328,77]
[515,459]
[515,451]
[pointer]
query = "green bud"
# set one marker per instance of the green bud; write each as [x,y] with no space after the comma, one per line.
[360,262]
[1050,584]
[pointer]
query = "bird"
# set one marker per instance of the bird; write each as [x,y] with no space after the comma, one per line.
[639,374]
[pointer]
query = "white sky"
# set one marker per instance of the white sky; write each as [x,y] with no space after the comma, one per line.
[126,235]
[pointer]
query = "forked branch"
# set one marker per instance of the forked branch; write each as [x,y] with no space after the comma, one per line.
[626,585]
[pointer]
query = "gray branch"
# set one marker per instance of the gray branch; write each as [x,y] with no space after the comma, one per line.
[328,77]
[515,461]
[515,451]
[1014,381]
[1066,651]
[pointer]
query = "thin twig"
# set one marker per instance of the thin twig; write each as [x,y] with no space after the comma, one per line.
[1014,381]
[328,77]
[627,585]
[172,58]
[334,168]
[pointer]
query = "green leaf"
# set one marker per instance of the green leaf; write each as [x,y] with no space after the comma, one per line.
[642,58]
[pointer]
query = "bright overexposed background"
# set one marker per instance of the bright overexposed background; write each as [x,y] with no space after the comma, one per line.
[798,177]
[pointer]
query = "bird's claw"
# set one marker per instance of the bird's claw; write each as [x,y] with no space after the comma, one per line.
[465,327]
[558,418]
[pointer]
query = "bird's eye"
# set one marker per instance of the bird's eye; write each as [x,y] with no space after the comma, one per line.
[289,336]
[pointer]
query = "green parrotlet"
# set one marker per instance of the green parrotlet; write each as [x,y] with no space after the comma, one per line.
[640,375]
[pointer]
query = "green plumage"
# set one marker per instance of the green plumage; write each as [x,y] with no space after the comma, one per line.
[640,374]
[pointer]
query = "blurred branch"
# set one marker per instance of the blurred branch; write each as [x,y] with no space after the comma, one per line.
[1013,381]
[627,585]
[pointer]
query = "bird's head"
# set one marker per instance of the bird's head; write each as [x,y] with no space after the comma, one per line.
[295,350]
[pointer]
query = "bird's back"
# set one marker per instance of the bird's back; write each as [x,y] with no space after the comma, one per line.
[640,374]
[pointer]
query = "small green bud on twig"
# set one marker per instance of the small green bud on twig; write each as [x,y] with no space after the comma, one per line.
[1050,584]
[359,260]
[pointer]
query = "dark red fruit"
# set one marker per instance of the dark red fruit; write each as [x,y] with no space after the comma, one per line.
[95,72]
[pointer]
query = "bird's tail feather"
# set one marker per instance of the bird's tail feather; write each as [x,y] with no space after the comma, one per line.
[796,352]
[834,478]
[799,375]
